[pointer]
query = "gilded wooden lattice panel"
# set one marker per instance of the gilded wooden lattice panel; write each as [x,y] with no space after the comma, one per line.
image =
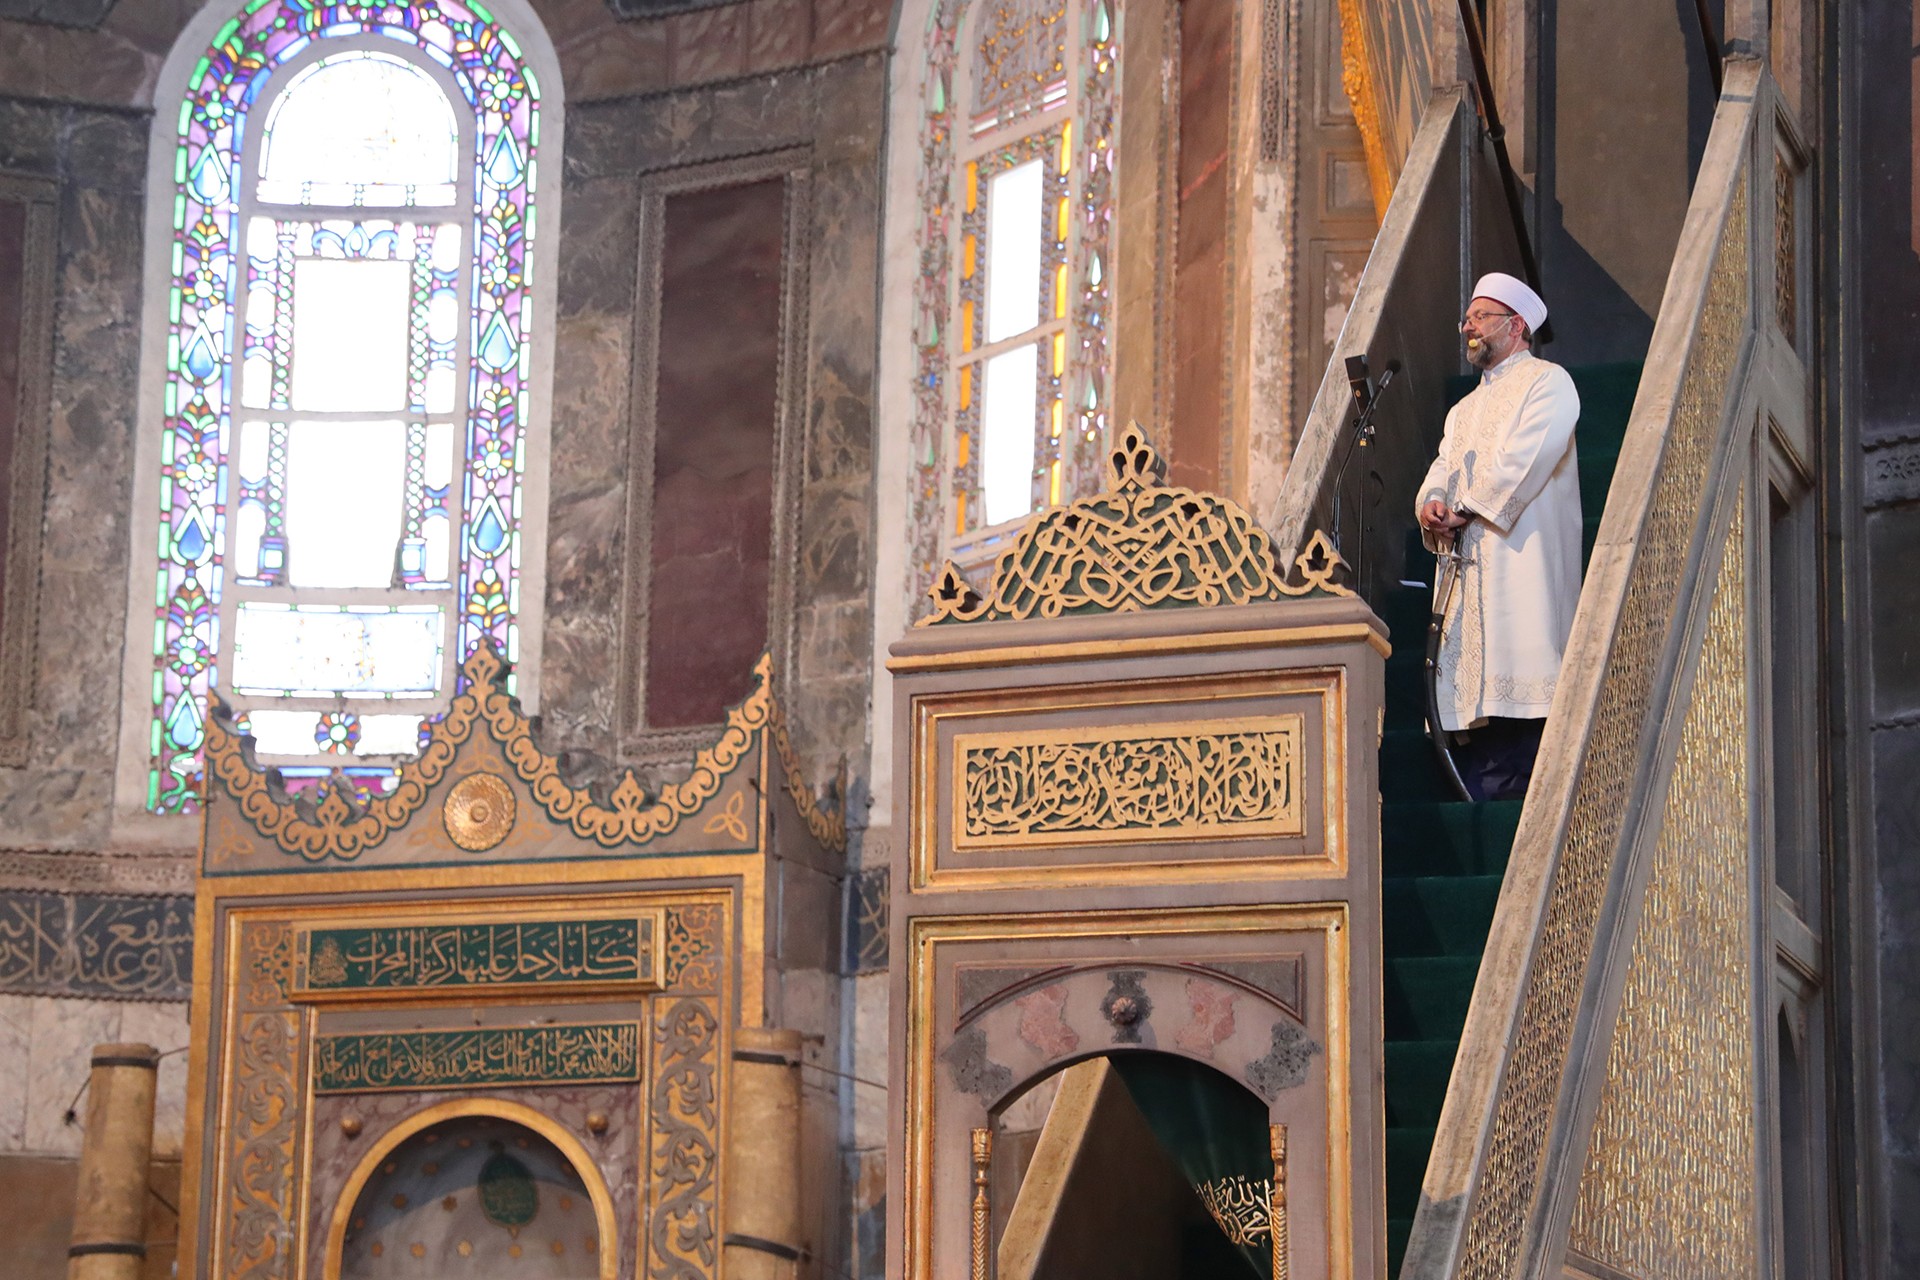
[1669,1189]
[629,812]
[1525,1107]
[1140,545]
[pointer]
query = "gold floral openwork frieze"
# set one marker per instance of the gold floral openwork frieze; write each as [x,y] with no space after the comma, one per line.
[338,828]
[1195,780]
[1141,545]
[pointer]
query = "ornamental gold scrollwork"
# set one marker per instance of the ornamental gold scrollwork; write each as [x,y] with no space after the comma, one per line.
[262,1111]
[1193,780]
[336,827]
[828,825]
[686,1134]
[1140,545]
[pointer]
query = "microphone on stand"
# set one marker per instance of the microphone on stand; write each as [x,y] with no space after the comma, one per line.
[1366,398]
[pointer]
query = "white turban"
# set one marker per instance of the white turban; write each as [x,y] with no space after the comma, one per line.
[1514,295]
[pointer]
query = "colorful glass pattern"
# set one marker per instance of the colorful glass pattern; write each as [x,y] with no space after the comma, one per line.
[1052,150]
[205,498]
[1072,411]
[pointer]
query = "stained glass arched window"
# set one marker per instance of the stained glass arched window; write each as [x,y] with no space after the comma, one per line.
[343,455]
[1016,245]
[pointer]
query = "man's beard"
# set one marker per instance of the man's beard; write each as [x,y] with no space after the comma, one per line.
[1480,356]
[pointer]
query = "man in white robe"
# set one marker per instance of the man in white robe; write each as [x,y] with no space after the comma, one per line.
[1505,492]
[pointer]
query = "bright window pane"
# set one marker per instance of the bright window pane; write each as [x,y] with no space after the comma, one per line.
[349,335]
[299,733]
[346,486]
[388,736]
[252,460]
[364,651]
[249,526]
[1006,430]
[282,733]
[1013,251]
[361,128]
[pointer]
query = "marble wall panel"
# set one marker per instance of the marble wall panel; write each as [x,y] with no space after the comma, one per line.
[616,60]
[150,25]
[867,1014]
[47,1047]
[844,26]
[836,112]
[706,44]
[60,799]
[64,64]
[779,33]
[59,13]
[59,1060]
[16,1020]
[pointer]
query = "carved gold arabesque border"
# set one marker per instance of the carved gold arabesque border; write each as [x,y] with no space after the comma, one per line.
[338,828]
[1140,545]
[1121,785]
[1675,1125]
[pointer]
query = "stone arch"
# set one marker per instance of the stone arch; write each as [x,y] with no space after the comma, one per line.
[516,1114]
[1246,1020]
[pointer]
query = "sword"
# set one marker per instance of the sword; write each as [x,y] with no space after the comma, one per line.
[1449,563]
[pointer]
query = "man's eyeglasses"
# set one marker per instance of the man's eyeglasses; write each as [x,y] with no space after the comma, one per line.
[1478,318]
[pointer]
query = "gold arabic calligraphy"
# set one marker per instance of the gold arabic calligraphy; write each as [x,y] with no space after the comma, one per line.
[370,1062]
[481,954]
[1204,780]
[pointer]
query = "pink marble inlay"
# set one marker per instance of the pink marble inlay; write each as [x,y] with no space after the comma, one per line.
[1212,1021]
[1043,1022]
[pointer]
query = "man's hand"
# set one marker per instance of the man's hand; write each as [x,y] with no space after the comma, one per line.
[1438,517]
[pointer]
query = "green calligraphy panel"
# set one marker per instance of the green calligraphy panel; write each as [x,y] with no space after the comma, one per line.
[480,954]
[370,1062]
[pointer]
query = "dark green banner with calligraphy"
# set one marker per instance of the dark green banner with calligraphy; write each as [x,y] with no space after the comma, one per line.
[485,954]
[489,1057]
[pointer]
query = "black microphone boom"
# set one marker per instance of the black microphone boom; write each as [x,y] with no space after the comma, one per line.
[1366,398]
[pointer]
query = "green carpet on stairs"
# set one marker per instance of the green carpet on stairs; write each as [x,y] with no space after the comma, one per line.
[1442,860]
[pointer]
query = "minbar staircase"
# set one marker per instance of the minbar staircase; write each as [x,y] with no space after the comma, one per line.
[1442,860]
